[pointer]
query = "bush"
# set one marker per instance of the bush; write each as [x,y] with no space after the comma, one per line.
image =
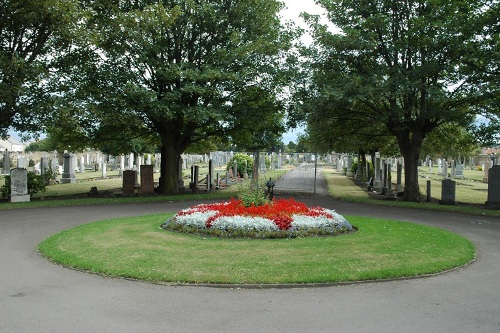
[249,195]
[242,160]
[36,184]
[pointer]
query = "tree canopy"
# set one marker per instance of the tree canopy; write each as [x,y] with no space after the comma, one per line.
[409,66]
[29,33]
[181,72]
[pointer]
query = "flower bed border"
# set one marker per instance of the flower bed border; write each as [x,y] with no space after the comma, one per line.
[281,213]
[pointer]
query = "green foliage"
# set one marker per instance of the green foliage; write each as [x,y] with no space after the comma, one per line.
[36,183]
[128,78]
[379,77]
[244,164]
[31,33]
[250,194]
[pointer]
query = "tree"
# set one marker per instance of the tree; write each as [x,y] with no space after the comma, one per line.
[29,31]
[180,69]
[403,65]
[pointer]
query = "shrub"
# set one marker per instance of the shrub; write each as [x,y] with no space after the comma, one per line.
[250,195]
[36,183]
[242,160]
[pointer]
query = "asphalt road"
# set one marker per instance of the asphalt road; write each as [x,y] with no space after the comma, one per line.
[38,296]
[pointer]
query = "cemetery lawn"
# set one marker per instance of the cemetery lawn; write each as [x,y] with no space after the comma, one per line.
[137,248]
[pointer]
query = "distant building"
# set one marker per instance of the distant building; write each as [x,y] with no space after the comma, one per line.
[12,145]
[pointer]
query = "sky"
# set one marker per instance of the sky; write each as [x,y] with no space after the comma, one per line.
[292,13]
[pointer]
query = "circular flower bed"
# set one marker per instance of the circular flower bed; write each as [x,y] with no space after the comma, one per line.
[277,219]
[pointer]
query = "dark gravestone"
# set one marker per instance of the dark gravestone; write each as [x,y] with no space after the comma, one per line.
[493,188]
[128,182]
[448,192]
[147,183]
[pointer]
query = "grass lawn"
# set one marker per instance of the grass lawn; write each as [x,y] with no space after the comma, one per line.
[137,248]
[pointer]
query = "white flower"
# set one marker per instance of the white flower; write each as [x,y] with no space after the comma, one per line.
[195,219]
[244,222]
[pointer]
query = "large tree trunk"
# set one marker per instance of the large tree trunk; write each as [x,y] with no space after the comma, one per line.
[169,167]
[410,144]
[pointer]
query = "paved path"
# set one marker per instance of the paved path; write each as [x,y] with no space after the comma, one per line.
[38,296]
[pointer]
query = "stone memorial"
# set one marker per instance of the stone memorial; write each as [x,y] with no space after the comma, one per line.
[494,188]
[147,181]
[22,162]
[128,182]
[487,167]
[448,192]
[19,185]
[68,175]
[6,162]
[377,178]
[459,171]
[104,171]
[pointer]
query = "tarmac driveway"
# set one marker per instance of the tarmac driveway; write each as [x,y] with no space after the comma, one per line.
[38,296]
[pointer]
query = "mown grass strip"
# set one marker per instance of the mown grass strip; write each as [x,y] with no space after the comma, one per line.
[137,248]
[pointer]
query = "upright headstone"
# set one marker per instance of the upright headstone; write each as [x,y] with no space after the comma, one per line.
[440,167]
[349,166]
[122,165]
[54,166]
[195,172]
[44,165]
[104,171]
[6,162]
[430,166]
[448,192]
[445,169]
[128,182]
[494,188]
[19,185]
[384,177]
[210,175]
[82,164]
[377,179]
[68,175]
[459,170]
[487,167]
[22,162]
[147,182]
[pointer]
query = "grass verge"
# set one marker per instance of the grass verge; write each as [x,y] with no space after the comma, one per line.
[137,248]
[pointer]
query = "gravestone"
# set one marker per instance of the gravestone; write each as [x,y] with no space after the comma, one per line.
[210,175]
[349,166]
[122,165]
[104,171]
[44,165]
[440,167]
[6,162]
[195,172]
[19,185]
[82,164]
[448,192]
[377,179]
[487,167]
[22,162]
[54,165]
[68,175]
[147,182]
[459,171]
[128,187]
[494,188]
[235,169]
[445,170]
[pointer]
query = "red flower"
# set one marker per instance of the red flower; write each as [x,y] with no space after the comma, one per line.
[279,211]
